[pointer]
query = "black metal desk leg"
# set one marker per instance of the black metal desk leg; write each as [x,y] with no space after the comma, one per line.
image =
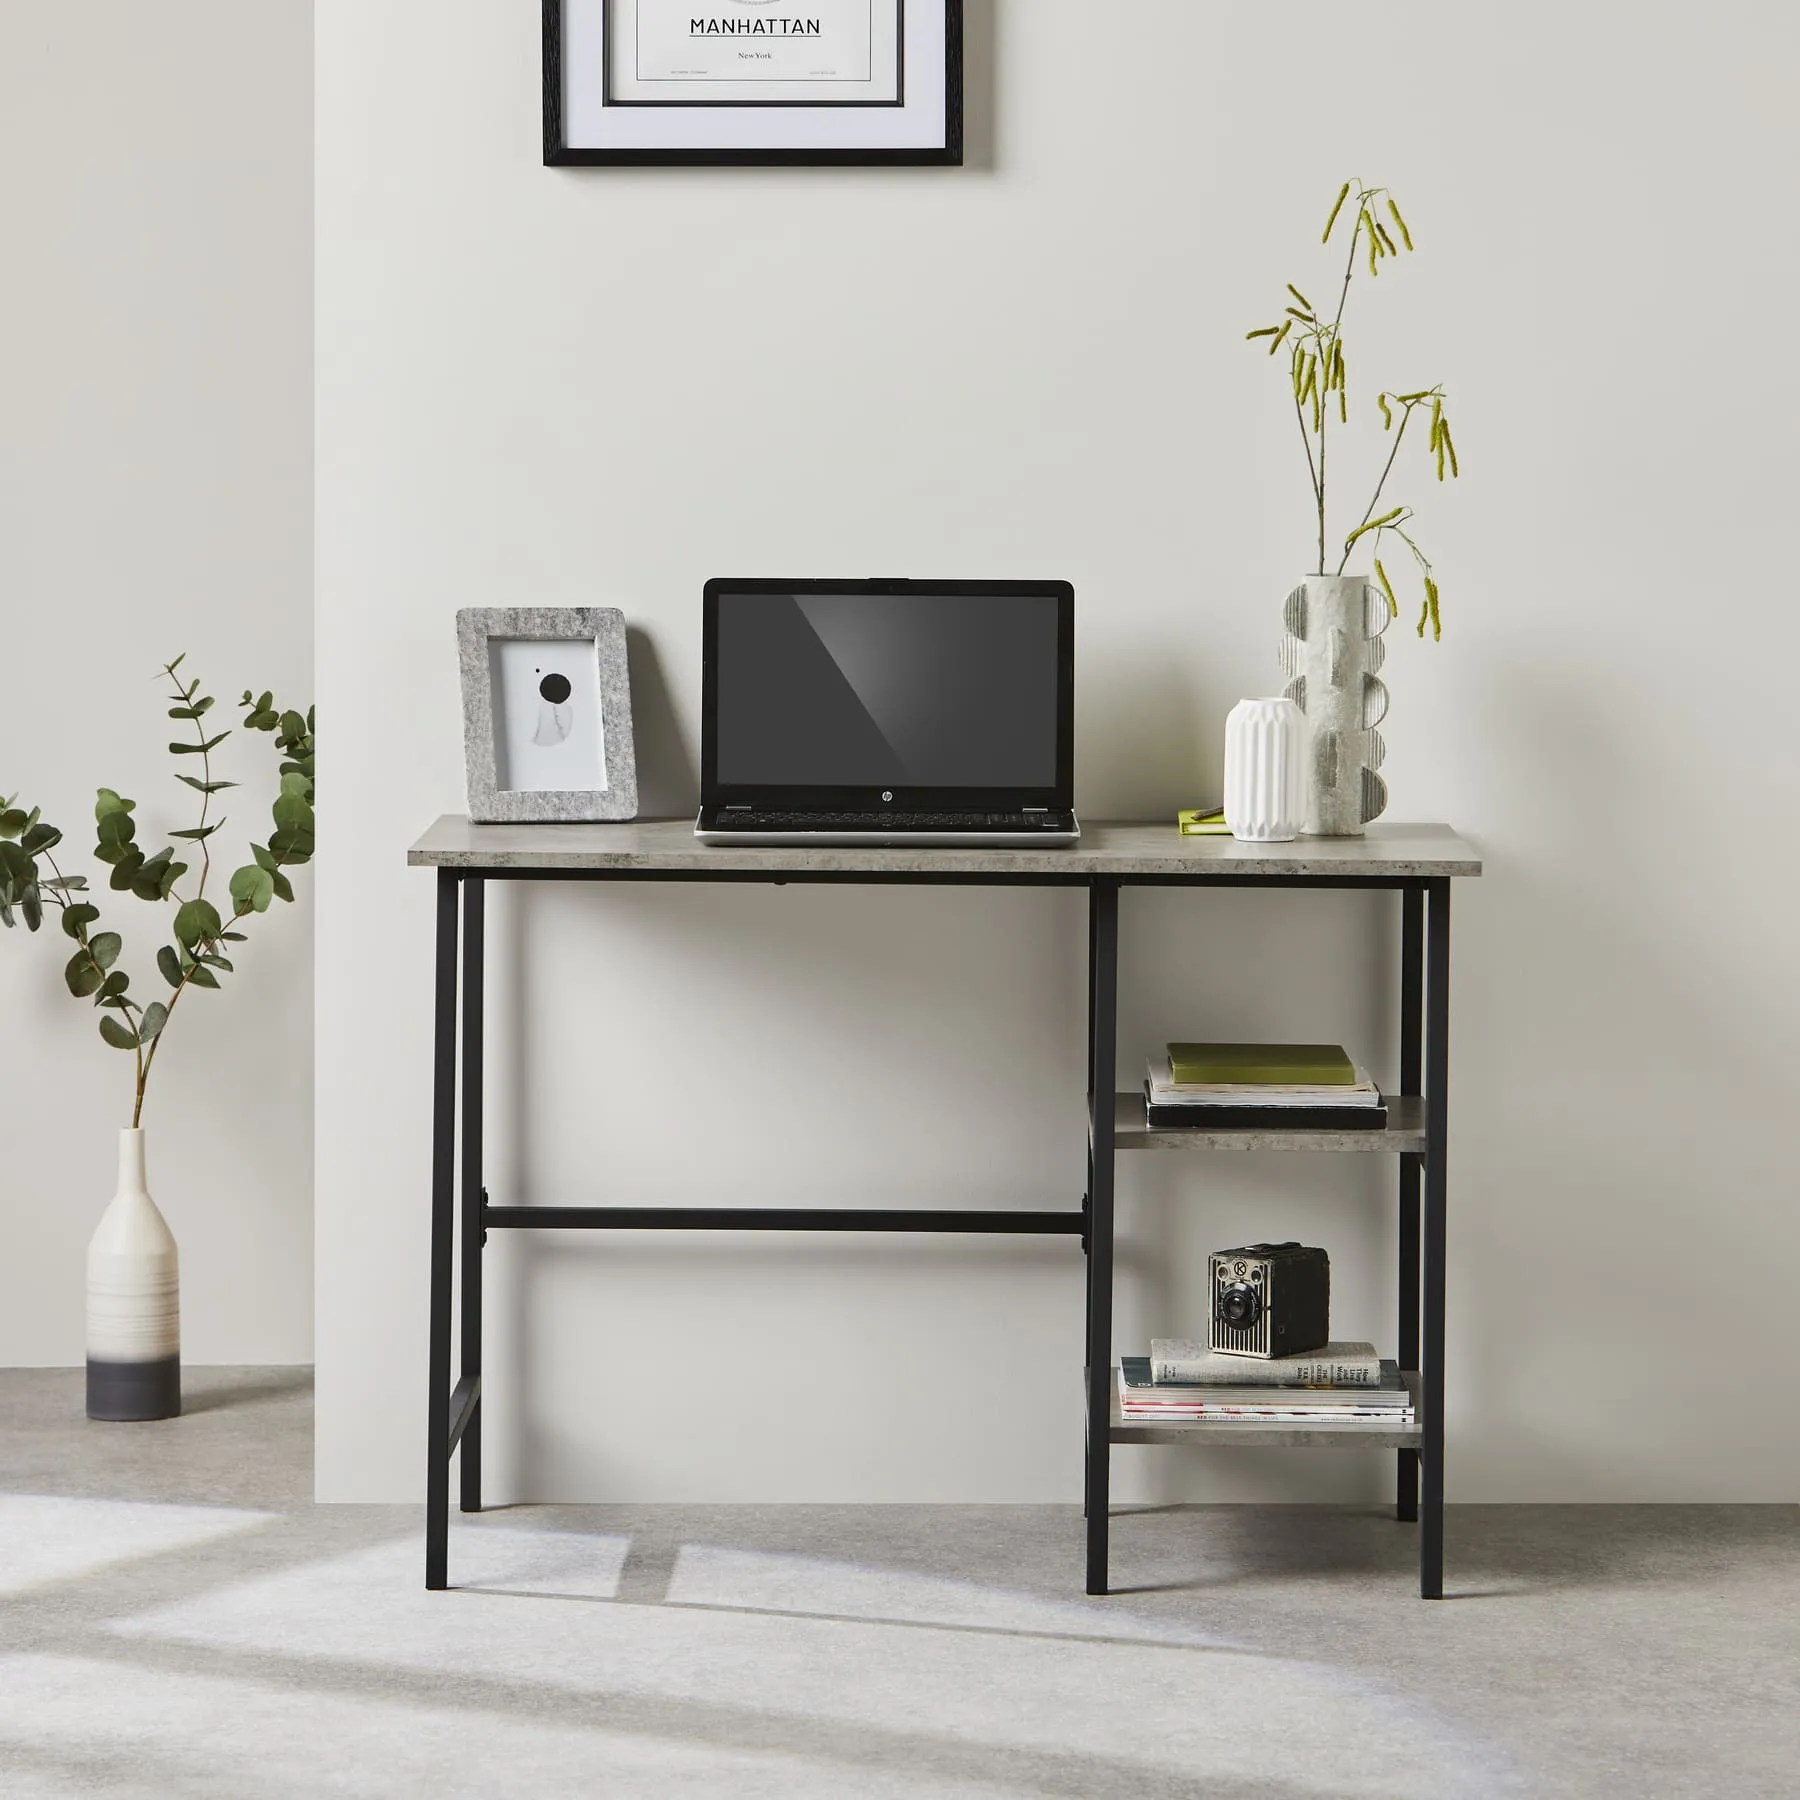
[1431,1364]
[1412,1062]
[474,1197]
[443,1228]
[1103,904]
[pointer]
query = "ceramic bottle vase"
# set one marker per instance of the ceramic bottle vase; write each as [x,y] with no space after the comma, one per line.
[1330,652]
[1264,768]
[133,1302]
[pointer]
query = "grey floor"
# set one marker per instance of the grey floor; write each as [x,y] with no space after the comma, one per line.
[177,1619]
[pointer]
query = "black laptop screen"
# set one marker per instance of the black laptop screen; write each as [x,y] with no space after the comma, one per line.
[903,691]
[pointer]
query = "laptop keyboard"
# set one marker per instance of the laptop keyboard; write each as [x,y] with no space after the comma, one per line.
[732,820]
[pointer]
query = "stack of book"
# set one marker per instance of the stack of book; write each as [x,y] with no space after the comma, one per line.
[1346,1385]
[1216,1086]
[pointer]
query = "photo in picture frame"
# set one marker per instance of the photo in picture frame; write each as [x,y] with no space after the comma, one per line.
[753,81]
[546,714]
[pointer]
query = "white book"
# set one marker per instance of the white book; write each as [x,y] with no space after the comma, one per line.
[1166,1091]
[1191,1360]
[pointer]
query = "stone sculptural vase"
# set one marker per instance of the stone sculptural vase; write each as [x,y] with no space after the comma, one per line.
[1331,651]
[133,1302]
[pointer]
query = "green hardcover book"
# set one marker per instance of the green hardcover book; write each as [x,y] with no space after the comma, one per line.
[1280,1065]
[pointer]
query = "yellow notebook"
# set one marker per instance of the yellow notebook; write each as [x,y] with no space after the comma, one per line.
[1196,822]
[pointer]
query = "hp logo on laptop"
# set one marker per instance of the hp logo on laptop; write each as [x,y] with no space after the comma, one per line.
[886,795]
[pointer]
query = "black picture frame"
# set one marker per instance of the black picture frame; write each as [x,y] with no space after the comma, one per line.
[559,153]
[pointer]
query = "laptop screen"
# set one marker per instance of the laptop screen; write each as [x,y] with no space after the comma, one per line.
[827,688]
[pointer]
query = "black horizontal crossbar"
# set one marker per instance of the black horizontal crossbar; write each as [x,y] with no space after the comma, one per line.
[772,1218]
[464,1398]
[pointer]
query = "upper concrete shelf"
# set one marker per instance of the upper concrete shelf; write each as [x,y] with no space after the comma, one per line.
[1129,852]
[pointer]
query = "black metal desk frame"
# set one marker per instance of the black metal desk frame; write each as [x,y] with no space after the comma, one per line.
[454,1418]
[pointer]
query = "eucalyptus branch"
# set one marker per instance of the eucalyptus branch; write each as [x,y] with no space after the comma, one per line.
[197,955]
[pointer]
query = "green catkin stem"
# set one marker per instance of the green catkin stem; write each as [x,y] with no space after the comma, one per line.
[1387,243]
[1337,206]
[1300,296]
[1387,587]
[1450,446]
[1387,412]
[1261,331]
[1374,248]
[1405,235]
[1343,406]
[1287,326]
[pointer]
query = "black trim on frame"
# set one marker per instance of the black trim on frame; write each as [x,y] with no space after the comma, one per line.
[558,153]
[1059,795]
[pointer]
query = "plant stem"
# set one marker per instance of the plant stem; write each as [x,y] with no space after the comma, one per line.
[1405,420]
[1313,472]
[199,726]
[1362,204]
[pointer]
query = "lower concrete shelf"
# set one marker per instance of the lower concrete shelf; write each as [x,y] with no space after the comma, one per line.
[1352,1434]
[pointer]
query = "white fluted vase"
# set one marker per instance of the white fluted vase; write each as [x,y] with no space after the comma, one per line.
[1264,766]
[1331,652]
[133,1302]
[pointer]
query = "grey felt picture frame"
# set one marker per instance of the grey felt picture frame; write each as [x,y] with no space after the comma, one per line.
[478,628]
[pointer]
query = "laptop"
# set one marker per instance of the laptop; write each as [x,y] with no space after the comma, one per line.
[888,712]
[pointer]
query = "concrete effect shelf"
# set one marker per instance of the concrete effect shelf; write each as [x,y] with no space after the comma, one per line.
[1352,1434]
[1405,1132]
[1109,850]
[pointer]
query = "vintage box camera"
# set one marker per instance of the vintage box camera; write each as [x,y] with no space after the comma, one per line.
[1270,1300]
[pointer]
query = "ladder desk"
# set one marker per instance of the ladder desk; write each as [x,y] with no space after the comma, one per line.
[1417,862]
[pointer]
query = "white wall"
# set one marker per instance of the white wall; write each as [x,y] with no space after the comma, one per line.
[605,386]
[155,496]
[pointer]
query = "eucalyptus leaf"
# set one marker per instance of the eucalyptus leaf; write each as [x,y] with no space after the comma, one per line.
[76,920]
[170,964]
[156,1016]
[197,922]
[31,909]
[284,889]
[114,985]
[116,827]
[12,822]
[81,976]
[252,887]
[125,870]
[39,838]
[105,948]
[202,977]
[198,835]
[205,787]
[109,802]
[119,1036]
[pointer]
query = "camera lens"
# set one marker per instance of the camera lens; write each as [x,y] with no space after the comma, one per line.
[1240,1306]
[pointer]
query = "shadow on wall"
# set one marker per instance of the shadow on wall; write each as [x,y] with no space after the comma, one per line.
[668,782]
[980,90]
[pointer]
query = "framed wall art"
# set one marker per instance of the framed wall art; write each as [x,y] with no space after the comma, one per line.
[752,81]
[546,713]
